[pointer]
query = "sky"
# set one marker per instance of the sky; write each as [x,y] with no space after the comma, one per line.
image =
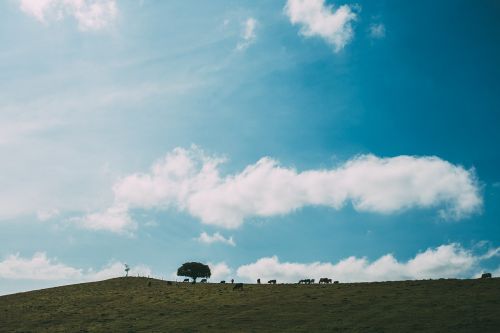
[282,139]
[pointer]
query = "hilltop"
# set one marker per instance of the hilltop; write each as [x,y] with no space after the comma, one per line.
[131,305]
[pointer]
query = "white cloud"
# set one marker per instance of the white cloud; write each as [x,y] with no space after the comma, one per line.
[220,271]
[445,261]
[215,238]
[115,219]
[318,19]
[377,30]
[39,267]
[190,181]
[248,35]
[42,268]
[90,14]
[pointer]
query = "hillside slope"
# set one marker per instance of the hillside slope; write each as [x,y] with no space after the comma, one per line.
[130,305]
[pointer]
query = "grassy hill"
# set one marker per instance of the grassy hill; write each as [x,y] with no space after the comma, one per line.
[130,305]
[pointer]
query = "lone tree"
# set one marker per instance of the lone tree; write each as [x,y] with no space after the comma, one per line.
[194,270]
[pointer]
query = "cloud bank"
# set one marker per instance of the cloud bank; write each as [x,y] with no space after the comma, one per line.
[316,19]
[445,261]
[90,14]
[190,181]
[40,267]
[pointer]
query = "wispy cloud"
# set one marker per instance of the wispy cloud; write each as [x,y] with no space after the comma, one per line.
[47,214]
[90,14]
[316,19]
[215,238]
[190,181]
[248,35]
[445,261]
[13,130]
[377,30]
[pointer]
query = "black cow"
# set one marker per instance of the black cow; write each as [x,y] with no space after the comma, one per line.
[238,286]
[223,281]
[325,280]
[335,282]
[186,280]
[486,276]
[271,281]
[203,281]
[258,281]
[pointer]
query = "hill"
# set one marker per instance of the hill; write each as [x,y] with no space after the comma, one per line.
[130,305]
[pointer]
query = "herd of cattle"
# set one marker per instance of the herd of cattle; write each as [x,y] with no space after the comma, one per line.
[304,281]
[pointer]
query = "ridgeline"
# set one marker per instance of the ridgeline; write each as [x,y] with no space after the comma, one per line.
[148,305]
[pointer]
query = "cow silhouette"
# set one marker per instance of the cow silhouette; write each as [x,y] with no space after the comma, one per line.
[203,281]
[186,280]
[271,281]
[486,276]
[325,280]
[223,281]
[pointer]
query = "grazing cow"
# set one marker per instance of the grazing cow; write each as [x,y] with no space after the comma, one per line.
[238,286]
[186,280]
[223,281]
[325,280]
[302,281]
[486,276]
[271,281]
[336,282]
[306,281]
[258,281]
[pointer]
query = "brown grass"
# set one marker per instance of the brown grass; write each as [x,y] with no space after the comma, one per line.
[129,305]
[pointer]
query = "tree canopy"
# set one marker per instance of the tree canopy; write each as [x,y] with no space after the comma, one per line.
[194,270]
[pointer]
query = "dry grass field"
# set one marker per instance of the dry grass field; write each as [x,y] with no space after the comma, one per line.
[130,305]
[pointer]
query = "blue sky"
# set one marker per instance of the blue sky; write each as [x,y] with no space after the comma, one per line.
[282,139]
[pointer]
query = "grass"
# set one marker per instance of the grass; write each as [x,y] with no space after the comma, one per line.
[130,305]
